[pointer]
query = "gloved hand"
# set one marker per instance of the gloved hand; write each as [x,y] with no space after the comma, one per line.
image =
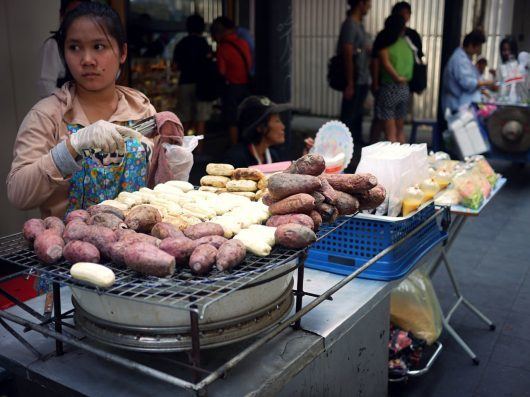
[102,136]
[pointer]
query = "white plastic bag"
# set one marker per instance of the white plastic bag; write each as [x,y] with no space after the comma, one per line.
[414,307]
[180,158]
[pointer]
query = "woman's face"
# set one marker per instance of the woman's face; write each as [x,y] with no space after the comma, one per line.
[93,57]
[506,51]
[275,134]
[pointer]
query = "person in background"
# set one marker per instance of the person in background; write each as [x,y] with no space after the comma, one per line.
[461,83]
[397,62]
[508,49]
[52,71]
[261,130]
[234,62]
[245,34]
[405,10]
[484,74]
[354,46]
[73,148]
[189,57]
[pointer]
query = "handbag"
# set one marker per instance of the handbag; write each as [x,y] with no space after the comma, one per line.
[418,83]
[336,76]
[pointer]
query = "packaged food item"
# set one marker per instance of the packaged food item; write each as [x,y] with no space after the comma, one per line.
[470,192]
[448,197]
[429,187]
[442,178]
[412,200]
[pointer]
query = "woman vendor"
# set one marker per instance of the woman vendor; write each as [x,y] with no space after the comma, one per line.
[73,148]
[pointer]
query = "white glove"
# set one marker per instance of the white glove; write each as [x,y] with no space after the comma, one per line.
[102,136]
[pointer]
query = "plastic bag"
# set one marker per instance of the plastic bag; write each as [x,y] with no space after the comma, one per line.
[180,158]
[414,307]
[469,188]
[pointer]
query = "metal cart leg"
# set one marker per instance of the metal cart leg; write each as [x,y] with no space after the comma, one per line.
[58,317]
[299,288]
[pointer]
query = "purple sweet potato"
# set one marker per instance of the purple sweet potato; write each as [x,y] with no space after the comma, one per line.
[230,254]
[295,204]
[203,229]
[179,247]
[100,236]
[202,259]
[117,251]
[310,164]
[283,185]
[81,215]
[216,241]
[140,238]
[301,219]
[294,236]
[120,233]
[49,246]
[267,199]
[75,230]
[351,183]
[148,259]
[80,251]
[55,224]
[317,219]
[330,194]
[142,218]
[108,220]
[164,230]
[96,209]
[328,212]
[319,197]
[346,204]
[372,198]
[32,228]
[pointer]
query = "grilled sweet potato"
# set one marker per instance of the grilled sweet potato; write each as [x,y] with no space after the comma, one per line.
[100,236]
[204,229]
[117,251]
[49,246]
[81,215]
[284,185]
[142,218]
[328,212]
[32,228]
[202,259]
[216,241]
[310,164]
[120,233]
[55,224]
[96,209]
[230,254]
[295,204]
[267,199]
[148,259]
[317,219]
[295,236]
[372,198]
[80,251]
[163,230]
[108,220]
[179,247]
[346,204]
[330,194]
[141,238]
[300,219]
[351,183]
[319,197]
[75,230]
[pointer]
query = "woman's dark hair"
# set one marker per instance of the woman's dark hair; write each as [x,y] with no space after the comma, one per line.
[474,38]
[195,24]
[510,40]
[221,24]
[393,29]
[102,15]
[400,6]
[256,134]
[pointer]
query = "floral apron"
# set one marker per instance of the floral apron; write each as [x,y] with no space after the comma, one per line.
[103,177]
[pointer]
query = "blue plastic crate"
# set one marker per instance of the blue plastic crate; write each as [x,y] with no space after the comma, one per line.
[351,246]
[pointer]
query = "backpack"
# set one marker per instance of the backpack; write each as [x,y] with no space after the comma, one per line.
[211,84]
[336,76]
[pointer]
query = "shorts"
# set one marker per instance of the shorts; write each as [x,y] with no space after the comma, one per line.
[392,101]
[189,108]
[233,95]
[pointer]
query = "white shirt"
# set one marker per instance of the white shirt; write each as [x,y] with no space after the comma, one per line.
[52,68]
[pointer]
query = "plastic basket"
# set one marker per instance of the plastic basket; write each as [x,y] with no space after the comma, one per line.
[359,240]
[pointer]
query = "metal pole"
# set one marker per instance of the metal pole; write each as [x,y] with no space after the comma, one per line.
[129,364]
[300,287]
[57,315]
[285,323]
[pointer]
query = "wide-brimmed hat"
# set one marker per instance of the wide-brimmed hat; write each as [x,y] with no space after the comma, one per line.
[255,109]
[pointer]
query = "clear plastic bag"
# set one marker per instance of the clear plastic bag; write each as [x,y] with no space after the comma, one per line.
[180,158]
[414,307]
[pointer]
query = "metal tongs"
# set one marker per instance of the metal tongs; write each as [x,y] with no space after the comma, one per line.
[145,127]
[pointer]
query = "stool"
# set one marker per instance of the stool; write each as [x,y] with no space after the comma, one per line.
[434,131]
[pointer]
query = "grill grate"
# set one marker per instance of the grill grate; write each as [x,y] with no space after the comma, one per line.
[183,290]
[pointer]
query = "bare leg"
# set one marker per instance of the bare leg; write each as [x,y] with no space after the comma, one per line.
[400,130]
[390,130]
[375,130]
[233,134]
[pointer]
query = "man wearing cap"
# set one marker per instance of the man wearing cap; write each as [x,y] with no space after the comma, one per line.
[261,129]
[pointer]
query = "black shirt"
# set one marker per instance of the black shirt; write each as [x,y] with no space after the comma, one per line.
[240,156]
[381,41]
[190,55]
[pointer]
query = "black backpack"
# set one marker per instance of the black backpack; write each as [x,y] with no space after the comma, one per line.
[210,85]
[336,76]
